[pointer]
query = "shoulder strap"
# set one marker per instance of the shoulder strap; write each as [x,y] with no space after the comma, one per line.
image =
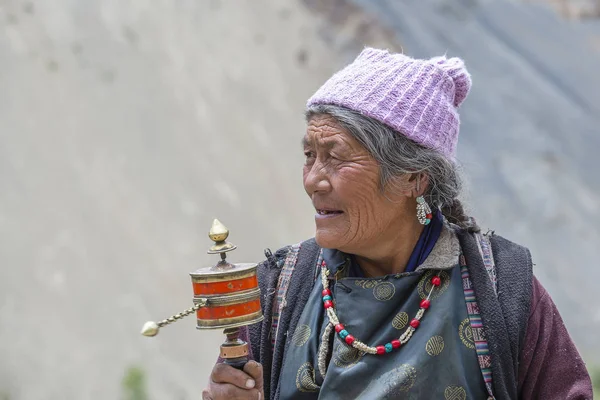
[294,288]
[479,336]
[494,324]
[259,334]
[505,314]
[514,270]
[283,283]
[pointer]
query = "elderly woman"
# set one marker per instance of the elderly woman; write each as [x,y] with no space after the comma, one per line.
[399,295]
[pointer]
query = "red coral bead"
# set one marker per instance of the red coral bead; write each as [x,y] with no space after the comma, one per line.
[327,304]
[396,343]
[425,304]
[436,281]
[349,339]
[339,328]
[326,292]
[380,350]
[429,216]
[415,323]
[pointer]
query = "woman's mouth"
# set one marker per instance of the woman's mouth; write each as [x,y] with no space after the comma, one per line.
[328,213]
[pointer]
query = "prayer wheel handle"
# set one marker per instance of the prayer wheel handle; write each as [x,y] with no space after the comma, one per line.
[234,348]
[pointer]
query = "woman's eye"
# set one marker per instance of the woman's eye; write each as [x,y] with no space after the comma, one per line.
[309,154]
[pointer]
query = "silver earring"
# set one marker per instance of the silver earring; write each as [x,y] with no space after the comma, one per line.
[423,211]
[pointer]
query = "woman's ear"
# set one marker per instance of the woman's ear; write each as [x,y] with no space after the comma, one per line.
[398,188]
[407,185]
[419,182]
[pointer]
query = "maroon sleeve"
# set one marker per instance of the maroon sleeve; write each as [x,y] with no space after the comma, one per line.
[550,365]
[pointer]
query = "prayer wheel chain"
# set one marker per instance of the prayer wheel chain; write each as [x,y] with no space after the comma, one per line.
[151,328]
[176,317]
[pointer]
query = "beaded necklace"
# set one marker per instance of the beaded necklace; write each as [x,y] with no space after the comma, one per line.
[357,344]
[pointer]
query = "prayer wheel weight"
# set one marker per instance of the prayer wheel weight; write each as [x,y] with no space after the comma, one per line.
[226,296]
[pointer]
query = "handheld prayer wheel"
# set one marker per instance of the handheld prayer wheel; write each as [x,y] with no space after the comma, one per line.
[226,296]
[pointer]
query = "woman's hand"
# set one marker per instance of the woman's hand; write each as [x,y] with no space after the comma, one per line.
[229,383]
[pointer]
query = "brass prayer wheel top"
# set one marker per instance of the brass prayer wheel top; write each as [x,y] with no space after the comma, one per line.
[223,269]
[219,233]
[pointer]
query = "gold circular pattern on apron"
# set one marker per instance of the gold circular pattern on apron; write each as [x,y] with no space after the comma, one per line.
[301,335]
[366,283]
[455,393]
[400,320]
[384,291]
[465,332]
[305,378]
[425,284]
[394,383]
[435,346]
[345,356]
[405,377]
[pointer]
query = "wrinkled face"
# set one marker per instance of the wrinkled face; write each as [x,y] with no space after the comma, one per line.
[343,182]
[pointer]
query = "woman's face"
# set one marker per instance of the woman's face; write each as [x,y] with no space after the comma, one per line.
[342,180]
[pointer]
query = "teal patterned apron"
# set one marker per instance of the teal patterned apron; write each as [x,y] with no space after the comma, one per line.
[438,362]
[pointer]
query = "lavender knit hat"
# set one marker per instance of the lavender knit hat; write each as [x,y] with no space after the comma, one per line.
[417,98]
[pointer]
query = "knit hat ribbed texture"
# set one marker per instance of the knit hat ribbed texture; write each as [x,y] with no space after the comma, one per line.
[417,98]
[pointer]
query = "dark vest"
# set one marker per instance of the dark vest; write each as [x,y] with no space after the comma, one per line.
[503,314]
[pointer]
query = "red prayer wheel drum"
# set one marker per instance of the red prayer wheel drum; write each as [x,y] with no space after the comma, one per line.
[231,293]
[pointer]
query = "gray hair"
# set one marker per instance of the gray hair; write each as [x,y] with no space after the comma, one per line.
[397,156]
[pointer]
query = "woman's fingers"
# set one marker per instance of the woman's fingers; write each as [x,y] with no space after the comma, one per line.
[227,391]
[255,370]
[230,383]
[223,373]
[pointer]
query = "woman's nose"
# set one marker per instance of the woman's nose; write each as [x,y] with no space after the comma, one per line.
[316,179]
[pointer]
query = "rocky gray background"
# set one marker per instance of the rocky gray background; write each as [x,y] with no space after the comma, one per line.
[127,126]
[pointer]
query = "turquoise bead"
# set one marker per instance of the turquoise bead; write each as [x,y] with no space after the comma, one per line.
[388,347]
[343,333]
[427,221]
[325,298]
